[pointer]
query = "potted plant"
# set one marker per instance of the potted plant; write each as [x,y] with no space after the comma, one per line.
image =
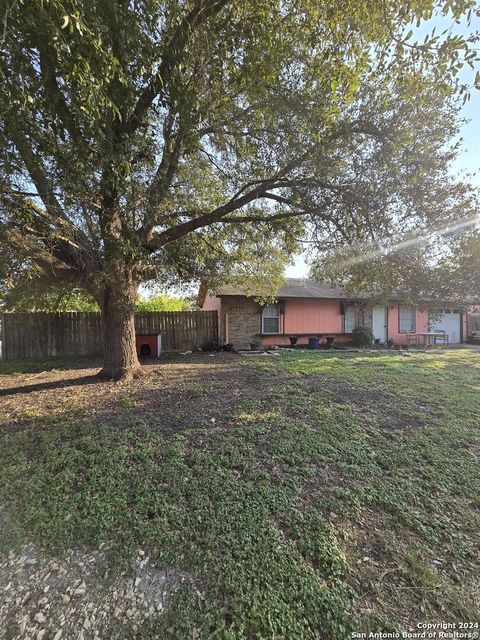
[293,340]
[377,341]
[390,343]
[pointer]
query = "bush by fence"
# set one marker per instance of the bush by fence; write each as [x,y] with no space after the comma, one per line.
[37,335]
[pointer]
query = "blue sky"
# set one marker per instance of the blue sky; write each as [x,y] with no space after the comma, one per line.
[469,158]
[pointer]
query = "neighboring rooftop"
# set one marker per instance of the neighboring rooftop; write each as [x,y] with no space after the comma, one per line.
[293,288]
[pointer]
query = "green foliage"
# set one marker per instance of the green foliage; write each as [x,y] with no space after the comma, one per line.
[25,287]
[31,291]
[163,303]
[440,266]
[460,271]
[362,336]
[60,300]
[176,141]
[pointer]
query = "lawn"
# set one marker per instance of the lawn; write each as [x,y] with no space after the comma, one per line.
[302,496]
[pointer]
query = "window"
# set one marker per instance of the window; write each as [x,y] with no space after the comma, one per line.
[406,318]
[271,318]
[351,320]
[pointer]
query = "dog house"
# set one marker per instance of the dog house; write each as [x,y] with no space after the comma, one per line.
[149,345]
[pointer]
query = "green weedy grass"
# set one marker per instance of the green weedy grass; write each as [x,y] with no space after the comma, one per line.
[306,518]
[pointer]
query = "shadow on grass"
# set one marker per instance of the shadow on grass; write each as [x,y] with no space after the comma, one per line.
[17,367]
[13,367]
[42,386]
[177,394]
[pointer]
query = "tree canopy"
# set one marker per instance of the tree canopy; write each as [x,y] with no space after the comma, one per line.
[27,296]
[203,139]
[163,302]
[437,265]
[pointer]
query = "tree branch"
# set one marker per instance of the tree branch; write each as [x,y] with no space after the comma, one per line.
[35,170]
[277,216]
[48,60]
[165,172]
[61,241]
[235,203]
[202,10]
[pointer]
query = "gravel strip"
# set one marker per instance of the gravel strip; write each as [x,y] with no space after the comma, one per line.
[73,598]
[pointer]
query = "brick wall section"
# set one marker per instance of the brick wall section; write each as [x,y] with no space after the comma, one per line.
[243,321]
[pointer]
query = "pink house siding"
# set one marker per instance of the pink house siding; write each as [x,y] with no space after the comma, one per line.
[312,316]
[393,332]
[240,320]
[308,316]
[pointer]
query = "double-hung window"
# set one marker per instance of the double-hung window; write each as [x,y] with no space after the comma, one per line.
[271,318]
[350,318]
[406,318]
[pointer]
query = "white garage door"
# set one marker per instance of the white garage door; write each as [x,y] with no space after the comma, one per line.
[450,323]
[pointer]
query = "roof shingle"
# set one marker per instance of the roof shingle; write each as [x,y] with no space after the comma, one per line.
[294,288]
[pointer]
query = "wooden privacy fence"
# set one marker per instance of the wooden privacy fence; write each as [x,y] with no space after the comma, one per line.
[39,335]
[34,335]
[180,330]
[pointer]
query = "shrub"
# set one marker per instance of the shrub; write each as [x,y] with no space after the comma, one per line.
[362,336]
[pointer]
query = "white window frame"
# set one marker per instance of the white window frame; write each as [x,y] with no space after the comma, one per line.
[271,311]
[413,324]
[350,318]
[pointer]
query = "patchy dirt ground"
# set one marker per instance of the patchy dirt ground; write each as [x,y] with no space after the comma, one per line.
[178,393]
[181,392]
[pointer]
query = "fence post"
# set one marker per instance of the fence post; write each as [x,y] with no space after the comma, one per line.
[3,350]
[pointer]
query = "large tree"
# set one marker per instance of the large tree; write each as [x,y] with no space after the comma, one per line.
[462,266]
[183,139]
[435,260]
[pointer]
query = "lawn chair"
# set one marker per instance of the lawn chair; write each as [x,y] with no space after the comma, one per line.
[441,338]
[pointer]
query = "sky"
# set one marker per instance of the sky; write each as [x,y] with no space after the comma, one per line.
[469,158]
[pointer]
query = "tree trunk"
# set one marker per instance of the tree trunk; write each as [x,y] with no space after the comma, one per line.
[120,355]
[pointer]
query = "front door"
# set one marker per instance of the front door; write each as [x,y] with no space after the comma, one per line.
[379,322]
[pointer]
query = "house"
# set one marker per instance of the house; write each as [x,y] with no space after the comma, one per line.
[306,308]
